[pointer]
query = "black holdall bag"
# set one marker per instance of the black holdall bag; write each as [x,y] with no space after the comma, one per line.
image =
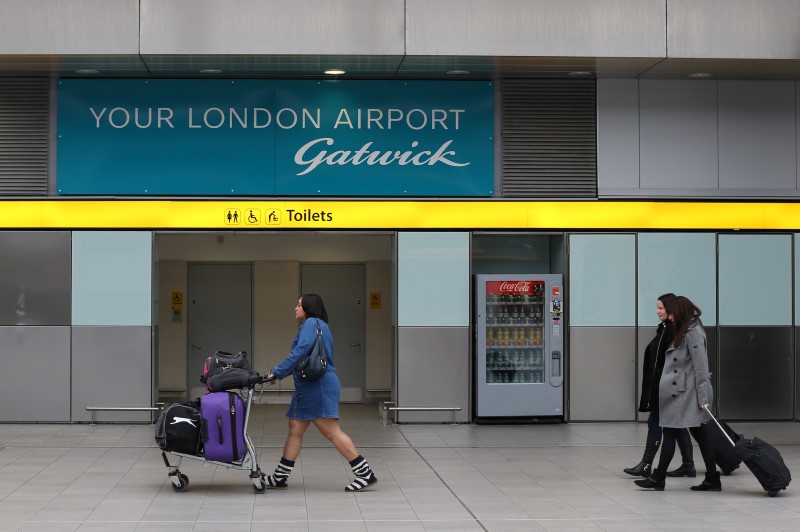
[220,361]
[232,379]
[762,459]
[181,429]
[766,464]
[315,364]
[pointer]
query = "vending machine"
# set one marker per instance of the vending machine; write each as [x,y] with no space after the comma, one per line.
[520,346]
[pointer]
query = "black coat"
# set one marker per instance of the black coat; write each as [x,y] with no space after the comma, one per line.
[654,365]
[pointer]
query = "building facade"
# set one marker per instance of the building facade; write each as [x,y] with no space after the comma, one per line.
[174,174]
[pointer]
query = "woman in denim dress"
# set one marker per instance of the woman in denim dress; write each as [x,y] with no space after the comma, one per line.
[315,401]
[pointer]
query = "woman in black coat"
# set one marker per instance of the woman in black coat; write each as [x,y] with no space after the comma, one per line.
[685,393]
[651,375]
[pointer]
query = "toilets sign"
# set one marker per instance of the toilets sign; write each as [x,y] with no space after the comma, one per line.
[275,137]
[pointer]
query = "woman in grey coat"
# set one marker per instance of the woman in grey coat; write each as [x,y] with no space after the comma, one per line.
[684,393]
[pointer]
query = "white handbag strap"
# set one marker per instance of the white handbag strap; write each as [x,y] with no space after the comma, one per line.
[720,426]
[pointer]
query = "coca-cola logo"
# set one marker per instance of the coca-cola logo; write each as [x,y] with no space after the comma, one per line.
[516,287]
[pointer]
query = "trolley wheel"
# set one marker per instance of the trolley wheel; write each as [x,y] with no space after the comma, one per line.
[773,493]
[183,483]
[262,485]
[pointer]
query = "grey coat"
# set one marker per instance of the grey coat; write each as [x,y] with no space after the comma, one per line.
[685,383]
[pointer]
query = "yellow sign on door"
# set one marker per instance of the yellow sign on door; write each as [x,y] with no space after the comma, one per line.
[374,300]
[177,299]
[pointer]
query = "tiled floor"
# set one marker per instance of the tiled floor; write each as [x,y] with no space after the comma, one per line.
[432,478]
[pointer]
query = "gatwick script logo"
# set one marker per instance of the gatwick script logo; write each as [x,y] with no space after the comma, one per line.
[365,155]
[177,420]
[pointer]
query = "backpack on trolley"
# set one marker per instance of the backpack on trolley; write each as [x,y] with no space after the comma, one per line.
[221,362]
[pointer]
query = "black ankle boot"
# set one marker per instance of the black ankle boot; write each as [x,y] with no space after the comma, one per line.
[645,467]
[710,483]
[642,469]
[687,467]
[685,470]
[650,483]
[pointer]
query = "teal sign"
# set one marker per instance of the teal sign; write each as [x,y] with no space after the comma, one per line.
[275,138]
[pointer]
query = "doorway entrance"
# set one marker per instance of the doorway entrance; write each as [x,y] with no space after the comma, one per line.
[342,289]
[220,315]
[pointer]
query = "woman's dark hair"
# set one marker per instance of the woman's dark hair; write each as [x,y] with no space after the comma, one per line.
[684,312]
[314,307]
[666,300]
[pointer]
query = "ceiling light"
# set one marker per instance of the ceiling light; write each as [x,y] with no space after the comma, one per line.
[211,71]
[334,72]
[700,75]
[87,71]
[457,72]
[580,74]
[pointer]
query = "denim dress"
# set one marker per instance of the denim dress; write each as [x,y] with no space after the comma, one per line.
[311,399]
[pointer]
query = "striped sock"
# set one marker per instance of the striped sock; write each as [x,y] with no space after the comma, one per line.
[278,479]
[365,478]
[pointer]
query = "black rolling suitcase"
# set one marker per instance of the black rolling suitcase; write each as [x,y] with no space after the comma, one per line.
[720,436]
[763,460]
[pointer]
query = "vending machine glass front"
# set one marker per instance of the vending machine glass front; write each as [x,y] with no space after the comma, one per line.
[515,315]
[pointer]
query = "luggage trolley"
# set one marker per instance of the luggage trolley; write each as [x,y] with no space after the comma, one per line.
[180,482]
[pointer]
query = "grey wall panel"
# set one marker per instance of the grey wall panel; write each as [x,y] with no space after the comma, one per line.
[602,365]
[111,366]
[69,27]
[757,143]
[273,27]
[734,29]
[596,28]
[433,266]
[34,383]
[661,267]
[602,267]
[678,134]
[617,134]
[768,301]
[35,278]
[433,369]
[756,371]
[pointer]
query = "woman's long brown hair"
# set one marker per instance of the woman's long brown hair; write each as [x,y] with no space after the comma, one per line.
[683,313]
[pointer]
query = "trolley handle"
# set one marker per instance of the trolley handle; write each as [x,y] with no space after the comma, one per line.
[720,426]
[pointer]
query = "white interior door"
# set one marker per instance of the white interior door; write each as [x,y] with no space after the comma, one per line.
[220,316]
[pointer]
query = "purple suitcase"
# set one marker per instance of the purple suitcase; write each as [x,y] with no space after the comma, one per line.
[224,413]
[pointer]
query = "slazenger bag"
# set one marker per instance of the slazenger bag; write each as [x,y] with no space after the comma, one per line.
[181,429]
[221,361]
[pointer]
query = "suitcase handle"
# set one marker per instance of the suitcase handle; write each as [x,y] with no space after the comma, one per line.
[720,426]
[219,427]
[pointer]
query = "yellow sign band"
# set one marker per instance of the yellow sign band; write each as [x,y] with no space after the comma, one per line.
[266,215]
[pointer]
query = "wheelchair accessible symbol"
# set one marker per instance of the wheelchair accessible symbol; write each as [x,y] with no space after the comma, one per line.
[252,217]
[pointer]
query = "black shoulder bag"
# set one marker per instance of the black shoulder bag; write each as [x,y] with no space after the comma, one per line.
[315,364]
